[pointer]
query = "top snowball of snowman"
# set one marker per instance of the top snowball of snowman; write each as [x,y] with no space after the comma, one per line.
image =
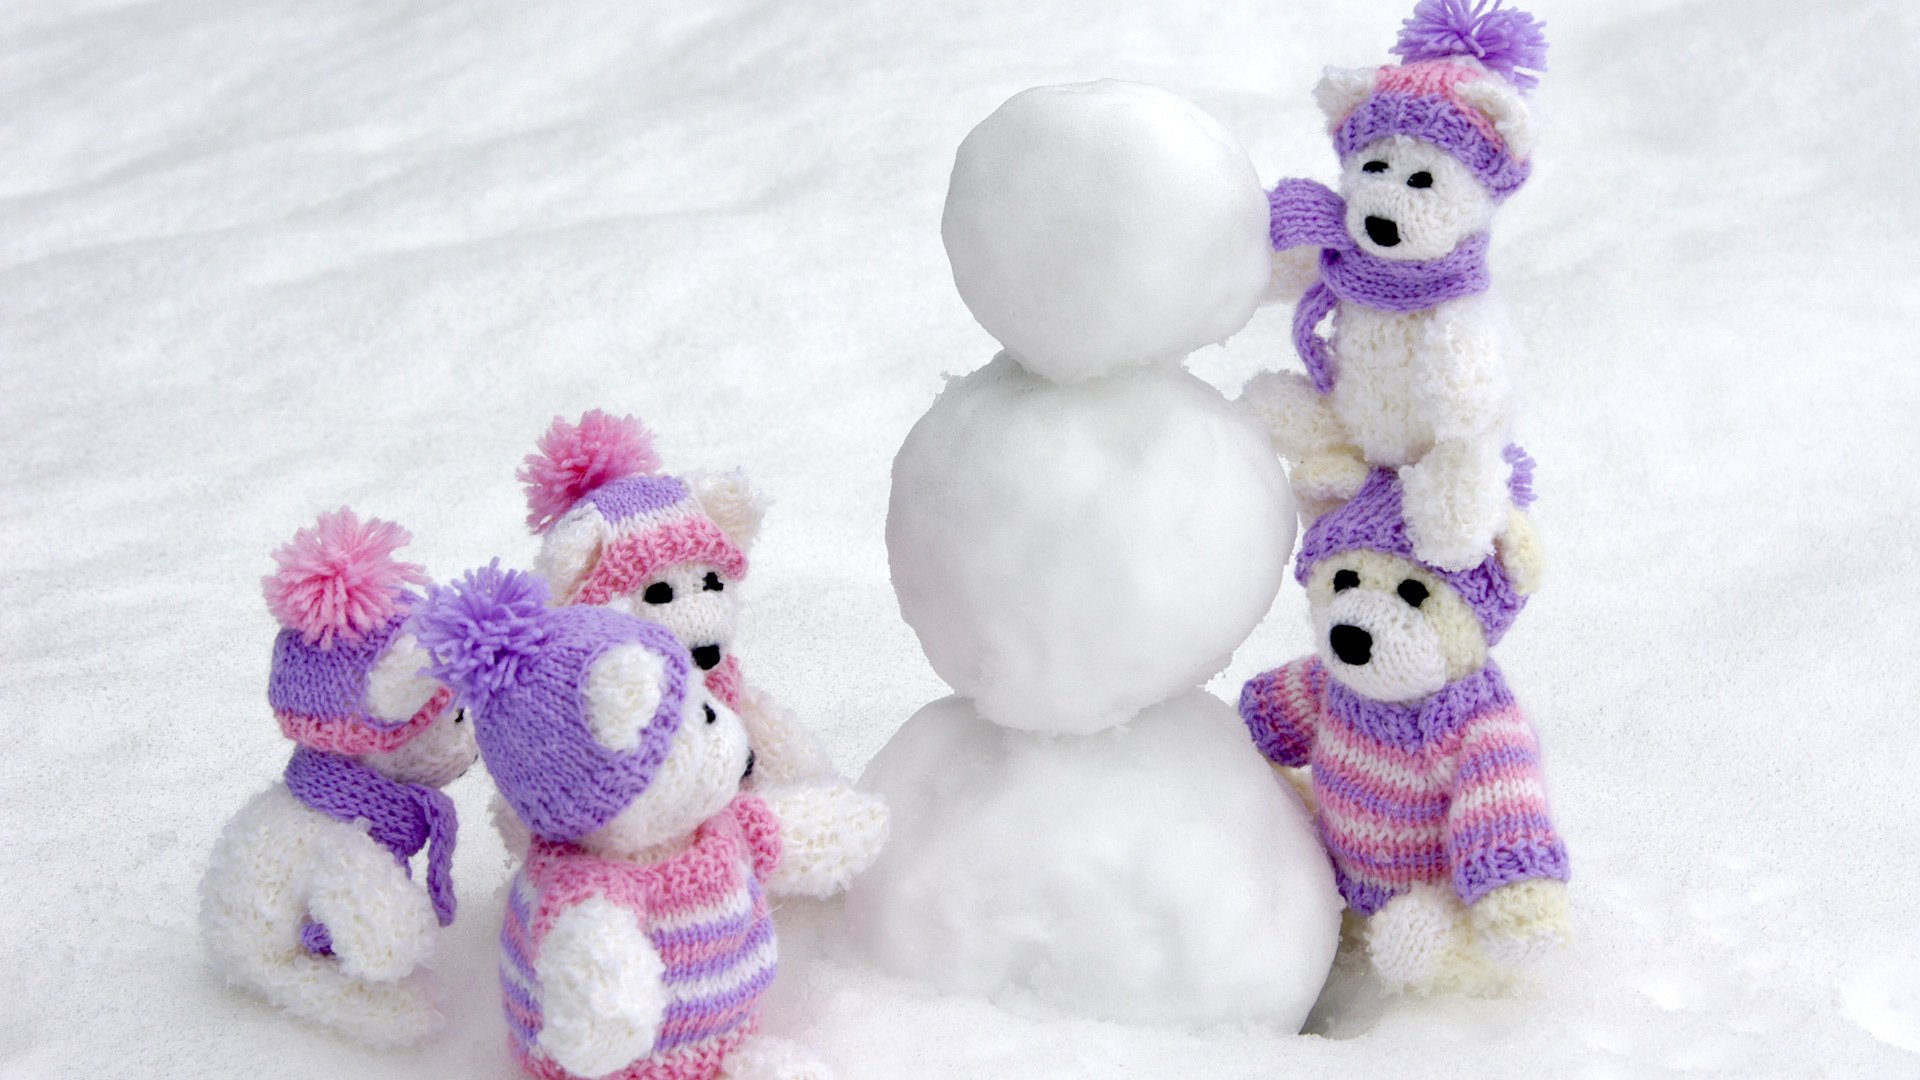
[1100,226]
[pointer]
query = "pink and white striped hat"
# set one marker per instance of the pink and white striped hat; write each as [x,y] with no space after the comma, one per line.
[608,518]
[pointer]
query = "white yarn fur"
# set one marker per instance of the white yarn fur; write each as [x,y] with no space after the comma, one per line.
[829,833]
[600,988]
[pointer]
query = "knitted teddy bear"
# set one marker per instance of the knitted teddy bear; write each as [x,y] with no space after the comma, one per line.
[1425,772]
[616,531]
[637,939]
[1417,374]
[309,900]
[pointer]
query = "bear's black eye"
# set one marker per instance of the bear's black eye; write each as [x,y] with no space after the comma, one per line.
[658,593]
[1374,167]
[711,717]
[1412,592]
[712,582]
[1422,178]
[460,717]
[1344,580]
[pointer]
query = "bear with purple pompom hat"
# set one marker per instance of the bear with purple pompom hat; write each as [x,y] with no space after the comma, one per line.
[1417,374]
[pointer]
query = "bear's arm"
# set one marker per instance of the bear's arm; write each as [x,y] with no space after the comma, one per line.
[762,830]
[381,921]
[1306,212]
[602,994]
[1498,828]
[1282,707]
[828,833]
[1462,385]
[784,751]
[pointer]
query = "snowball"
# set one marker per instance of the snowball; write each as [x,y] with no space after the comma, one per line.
[1101,225]
[1158,872]
[1070,554]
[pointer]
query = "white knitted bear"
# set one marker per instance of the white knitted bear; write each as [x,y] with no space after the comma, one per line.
[1418,374]
[638,936]
[309,901]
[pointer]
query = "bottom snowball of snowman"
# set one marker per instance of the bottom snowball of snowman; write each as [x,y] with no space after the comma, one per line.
[1155,872]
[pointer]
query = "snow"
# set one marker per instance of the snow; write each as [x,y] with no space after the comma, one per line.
[1055,555]
[1099,226]
[1157,872]
[261,260]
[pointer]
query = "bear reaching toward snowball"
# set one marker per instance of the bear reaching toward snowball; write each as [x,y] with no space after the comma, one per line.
[1418,373]
[308,900]
[1425,771]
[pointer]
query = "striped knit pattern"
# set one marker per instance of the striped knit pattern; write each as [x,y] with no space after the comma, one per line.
[704,910]
[1447,790]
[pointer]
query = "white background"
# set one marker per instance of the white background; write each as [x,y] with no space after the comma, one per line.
[261,259]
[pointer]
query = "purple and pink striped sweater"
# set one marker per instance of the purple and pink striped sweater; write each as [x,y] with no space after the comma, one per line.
[1446,789]
[704,910]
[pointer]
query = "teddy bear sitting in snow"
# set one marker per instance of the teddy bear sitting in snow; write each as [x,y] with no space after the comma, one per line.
[638,937]
[1418,373]
[1425,771]
[616,531]
[309,900]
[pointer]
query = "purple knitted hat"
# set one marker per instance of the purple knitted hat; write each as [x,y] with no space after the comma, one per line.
[1372,521]
[1445,47]
[340,597]
[521,667]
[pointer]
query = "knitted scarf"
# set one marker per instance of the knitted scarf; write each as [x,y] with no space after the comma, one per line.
[1305,212]
[1412,726]
[403,817]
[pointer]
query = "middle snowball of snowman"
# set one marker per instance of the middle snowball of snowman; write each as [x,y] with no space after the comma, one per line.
[1069,555]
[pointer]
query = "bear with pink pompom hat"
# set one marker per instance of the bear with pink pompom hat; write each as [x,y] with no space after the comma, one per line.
[310,900]
[617,531]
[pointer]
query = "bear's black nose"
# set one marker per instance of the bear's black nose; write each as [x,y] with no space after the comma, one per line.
[1382,232]
[1351,644]
[707,656]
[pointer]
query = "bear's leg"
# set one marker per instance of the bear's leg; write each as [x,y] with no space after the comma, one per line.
[1455,502]
[1298,419]
[1417,937]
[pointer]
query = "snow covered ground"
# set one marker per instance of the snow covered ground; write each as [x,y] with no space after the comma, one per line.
[261,259]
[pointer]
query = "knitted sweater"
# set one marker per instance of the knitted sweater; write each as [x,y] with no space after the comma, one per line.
[1448,788]
[703,910]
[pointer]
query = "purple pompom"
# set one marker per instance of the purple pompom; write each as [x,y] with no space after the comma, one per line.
[481,630]
[1520,479]
[1510,42]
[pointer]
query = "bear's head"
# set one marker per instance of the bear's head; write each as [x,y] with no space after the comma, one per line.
[594,723]
[347,671]
[615,531]
[1428,148]
[1392,628]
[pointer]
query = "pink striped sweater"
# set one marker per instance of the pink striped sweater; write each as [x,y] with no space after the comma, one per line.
[704,910]
[1445,789]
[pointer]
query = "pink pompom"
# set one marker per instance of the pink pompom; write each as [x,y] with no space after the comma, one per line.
[572,461]
[340,577]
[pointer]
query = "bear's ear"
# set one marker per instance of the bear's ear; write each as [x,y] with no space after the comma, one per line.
[732,504]
[569,550]
[1501,104]
[1521,553]
[623,693]
[1340,91]
[397,687]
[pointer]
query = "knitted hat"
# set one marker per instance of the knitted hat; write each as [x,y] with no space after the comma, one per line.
[340,598]
[522,667]
[1463,65]
[1372,521]
[605,469]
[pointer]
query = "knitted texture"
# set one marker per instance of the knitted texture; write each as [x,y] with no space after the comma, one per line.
[520,665]
[571,460]
[647,543]
[1510,42]
[1423,101]
[1305,212]
[403,817]
[1445,790]
[1372,521]
[705,912]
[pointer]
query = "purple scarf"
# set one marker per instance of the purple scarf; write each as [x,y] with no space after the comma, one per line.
[1305,212]
[403,817]
[1411,727]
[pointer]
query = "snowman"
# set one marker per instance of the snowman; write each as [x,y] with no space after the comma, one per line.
[1080,533]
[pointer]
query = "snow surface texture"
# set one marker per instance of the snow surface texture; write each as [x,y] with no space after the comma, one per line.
[263,259]
[1155,872]
[1070,554]
[1098,226]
